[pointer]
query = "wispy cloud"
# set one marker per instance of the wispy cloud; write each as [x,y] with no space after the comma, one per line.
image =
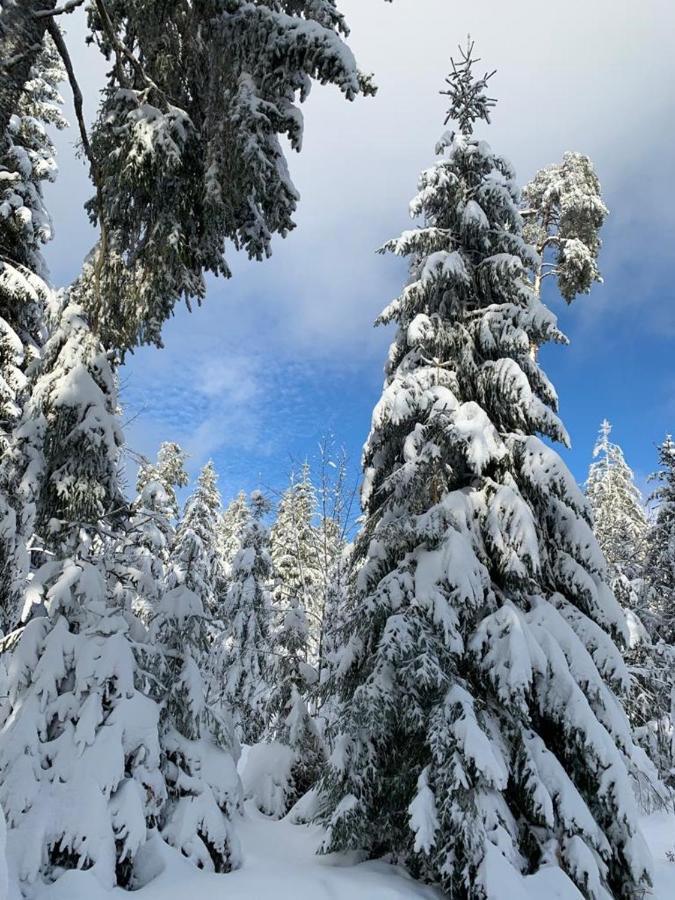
[287,347]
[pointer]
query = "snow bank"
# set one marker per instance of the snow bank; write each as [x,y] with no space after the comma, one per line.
[265,771]
[279,860]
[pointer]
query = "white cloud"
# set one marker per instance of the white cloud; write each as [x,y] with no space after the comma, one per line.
[591,75]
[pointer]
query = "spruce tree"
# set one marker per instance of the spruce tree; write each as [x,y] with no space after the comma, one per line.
[620,525]
[480,736]
[660,561]
[79,754]
[298,598]
[27,160]
[619,519]
[187,147]
[202,783]
[230,529]
[245,652]
[169,471]
[296,558]
[292,680]
[148,544]
[196,559]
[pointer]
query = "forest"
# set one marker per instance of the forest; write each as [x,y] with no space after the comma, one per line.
[454,679]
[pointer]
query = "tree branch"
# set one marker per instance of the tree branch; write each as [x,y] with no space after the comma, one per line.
[57,37]
[67,8]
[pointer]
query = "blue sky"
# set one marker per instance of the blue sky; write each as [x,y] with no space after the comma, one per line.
[285,351]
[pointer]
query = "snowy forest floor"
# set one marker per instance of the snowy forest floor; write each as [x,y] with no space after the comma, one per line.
[280,861]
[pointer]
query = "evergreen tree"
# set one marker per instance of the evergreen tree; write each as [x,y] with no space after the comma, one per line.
[245,651]
[4,876]
[148,544]
[168,471]
[188,143]
[22,34]
[72,409]
[332,626]
[196,558]
[660,562]
[27,160]
[480,737]
[619,519]
[292,681]
[201,777]
[230,529]
[620,525]
[564,211]
[295,547]
[79,754]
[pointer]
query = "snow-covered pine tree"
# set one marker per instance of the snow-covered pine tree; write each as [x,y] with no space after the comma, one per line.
[292,679]
[169,471]
[564,212]
[621,528]
[619,519]
[332,624]
[336,501]
[230,528]
[79,753]
[147,546]
[296,558]
[660,556]
[245,653]
[299,594]
[196,561]
[201,776]
[187,144]
[27,160]
[480,737]
[22,34]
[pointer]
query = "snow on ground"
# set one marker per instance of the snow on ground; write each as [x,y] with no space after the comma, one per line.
[280,862]
[659,832]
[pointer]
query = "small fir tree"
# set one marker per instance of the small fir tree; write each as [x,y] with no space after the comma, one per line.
[295,548]
[196,559]
[201,777]
[620,525]
[619,519]
[230,529]
[245,654]
[292,680]
[148,544]
[660,557]
[169,471]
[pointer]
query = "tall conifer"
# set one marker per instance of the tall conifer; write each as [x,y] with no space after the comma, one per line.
[480,736]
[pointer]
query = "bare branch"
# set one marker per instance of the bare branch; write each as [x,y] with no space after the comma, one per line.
[57,37]
[67,8]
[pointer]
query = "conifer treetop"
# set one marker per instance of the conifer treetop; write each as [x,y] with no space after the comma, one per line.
[469,102]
